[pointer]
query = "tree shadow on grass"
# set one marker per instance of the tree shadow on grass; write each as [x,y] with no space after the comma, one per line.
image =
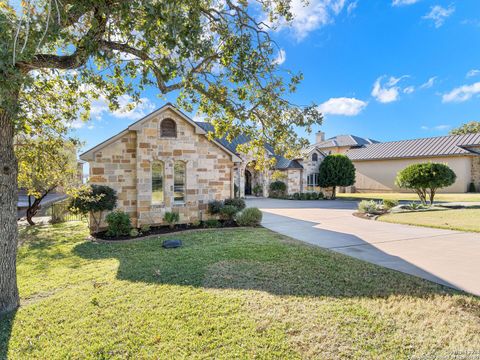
[256,260]
[6,325]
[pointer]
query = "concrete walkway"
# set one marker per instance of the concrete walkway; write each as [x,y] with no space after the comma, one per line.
[447,257]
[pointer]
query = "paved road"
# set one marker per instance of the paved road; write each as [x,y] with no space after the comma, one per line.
[448,257]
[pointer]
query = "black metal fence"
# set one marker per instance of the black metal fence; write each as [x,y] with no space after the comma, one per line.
[60,213]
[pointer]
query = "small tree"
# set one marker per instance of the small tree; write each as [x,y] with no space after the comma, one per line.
[425,179]
[94,200]
[44,165]
[472,127]
[336,170]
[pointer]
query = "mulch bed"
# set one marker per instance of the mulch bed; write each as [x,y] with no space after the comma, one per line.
[161,230]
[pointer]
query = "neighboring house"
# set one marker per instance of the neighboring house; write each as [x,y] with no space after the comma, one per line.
[378,164]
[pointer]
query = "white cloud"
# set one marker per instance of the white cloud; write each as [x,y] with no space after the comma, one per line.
[409,89]
[472,73]
[100,106]
[462,93]
[308,17]
[281,57]
[388,92]
[440,127]
[351,7]
[439,14]
[429,83]
[342,106]
[404,2]
[77,124]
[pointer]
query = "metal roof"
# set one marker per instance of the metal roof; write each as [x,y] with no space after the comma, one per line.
[425,147]
[345,140]
[282,162]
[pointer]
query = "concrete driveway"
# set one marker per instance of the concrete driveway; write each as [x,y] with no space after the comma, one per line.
[447,257]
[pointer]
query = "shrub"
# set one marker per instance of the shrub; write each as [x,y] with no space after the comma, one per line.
[296,196]
[425,179]
[94,199]
[145,228]
[212,223]
[171,218]
[388,204]
[471,188]
[249,217]
[228,212]
[238,203]
[321,196]
[370,207]
[336,170]
[416,206]
[257,190]
[214,207]
[118,223]
[278,189]
[134,232]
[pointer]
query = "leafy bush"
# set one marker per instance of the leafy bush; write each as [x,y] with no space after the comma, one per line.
[228,212]
[370,207]
[212,223]
[214,207]
[416,206]
[238,203]
[94,199]
[257,190]
[278,189]
[134,232]
[249,217]
[425,179]
[145,228]
[388,204]
[472,188]
[296,196]
[336,170]
[118,223]
[171,218]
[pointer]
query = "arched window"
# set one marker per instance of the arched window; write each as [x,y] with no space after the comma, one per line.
[315,157]
[158,174]
[168,128]
[179,179]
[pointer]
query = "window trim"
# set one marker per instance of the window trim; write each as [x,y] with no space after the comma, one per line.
[162,135]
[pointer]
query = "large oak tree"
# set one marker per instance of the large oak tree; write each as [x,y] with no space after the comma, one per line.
[216,56]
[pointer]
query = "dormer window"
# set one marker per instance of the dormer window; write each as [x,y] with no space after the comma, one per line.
[315,157]
[168,128]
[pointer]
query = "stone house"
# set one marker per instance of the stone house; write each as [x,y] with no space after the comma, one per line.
[166,162]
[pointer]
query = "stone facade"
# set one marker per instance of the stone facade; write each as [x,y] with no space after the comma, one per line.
[125,164]
[476,172]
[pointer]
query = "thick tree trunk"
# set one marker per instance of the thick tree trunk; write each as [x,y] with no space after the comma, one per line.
[9,299]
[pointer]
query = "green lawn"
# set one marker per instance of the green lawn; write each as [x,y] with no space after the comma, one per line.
[241,293]
[459,219]
[468,197]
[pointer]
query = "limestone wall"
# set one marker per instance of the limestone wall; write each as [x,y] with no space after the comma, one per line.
[125,165]
[115,166]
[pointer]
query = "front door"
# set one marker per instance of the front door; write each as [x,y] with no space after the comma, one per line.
[248,183]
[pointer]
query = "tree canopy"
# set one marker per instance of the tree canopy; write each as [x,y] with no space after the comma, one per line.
[471,127]
[425,179]
[45,164]
[336,170]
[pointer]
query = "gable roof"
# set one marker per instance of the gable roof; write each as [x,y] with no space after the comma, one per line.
[345,140]
[424,147]
[88,155]
[282,162]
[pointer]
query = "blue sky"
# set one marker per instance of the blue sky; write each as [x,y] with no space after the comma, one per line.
[384,69]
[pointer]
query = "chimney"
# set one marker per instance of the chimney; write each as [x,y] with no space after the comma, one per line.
[320,137]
